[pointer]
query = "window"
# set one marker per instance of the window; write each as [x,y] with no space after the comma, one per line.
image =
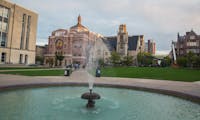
[3,39]
[0,24]
[3,57]
[28,31]
[60,33]
[23,31]
[26,59]
[192,37]
[121,38]
[20,58]
[5,13]
[191,43]
[4,27]
[121,46]
[106,53]
[1,11]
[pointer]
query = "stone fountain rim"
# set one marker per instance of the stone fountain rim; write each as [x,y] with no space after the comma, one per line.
[182,95]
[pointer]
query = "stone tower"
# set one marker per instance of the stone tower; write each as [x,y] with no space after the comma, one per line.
[122,40]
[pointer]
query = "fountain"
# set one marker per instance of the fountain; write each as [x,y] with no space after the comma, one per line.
[90,96]
[91,65]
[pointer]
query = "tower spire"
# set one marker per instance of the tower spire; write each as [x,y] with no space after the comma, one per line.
[79,19]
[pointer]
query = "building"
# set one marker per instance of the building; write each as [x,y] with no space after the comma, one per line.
[150,47]
[76,45]
[190,42]
[125,44]
[122,40]
[40,52]
[18,28]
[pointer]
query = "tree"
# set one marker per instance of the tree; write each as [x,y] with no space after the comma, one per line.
[60,57]
[115,58]
[128,60]
[145,59]
[166,61]
[189,59]
[101,62]
[182,61]
[195,61]
[50,62]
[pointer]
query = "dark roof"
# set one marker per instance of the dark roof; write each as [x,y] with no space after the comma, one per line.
[111,42]
[132,42]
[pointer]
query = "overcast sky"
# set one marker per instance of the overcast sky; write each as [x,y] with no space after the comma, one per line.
[159,20]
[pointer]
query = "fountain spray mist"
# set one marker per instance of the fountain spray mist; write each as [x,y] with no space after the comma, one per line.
[94,52]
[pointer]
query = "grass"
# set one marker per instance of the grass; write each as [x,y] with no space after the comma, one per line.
[188,75]
[36,73]
[180,74]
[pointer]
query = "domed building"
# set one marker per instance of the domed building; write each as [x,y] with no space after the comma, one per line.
[72,44]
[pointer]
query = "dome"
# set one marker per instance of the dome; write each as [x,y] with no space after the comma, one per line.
[79,27]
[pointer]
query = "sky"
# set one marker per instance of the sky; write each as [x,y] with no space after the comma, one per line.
[159,20]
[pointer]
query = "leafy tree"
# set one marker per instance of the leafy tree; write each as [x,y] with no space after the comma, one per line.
[195,61]
[182,61]
[166,62]
[128,60]
[50,62]
[189,59]
[115,58]
[60,57]
[145,59]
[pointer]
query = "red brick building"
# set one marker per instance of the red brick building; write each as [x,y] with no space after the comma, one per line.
[72,44]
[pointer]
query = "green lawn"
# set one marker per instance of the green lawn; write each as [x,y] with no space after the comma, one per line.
[36,73]
[126,72]
[153,73]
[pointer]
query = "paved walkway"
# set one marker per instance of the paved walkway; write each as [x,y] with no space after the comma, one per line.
[186,90]
[27,69]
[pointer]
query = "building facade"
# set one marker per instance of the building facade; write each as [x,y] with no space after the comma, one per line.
[125,44]
[150,47]
[40,52]
[18,28]
[122,40]
[74,44]
[190,42]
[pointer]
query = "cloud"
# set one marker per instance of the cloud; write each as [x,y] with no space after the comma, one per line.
[162,52]
[41,41]
[160,20]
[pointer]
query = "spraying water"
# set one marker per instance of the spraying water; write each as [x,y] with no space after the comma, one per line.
[94,52]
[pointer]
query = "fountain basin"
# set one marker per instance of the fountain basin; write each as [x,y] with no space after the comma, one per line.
[63,103]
